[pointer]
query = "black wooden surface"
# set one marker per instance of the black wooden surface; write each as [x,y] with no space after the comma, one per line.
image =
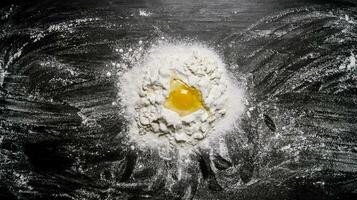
[62,138]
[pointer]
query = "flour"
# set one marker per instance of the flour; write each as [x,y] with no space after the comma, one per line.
[145,87]
[349,64]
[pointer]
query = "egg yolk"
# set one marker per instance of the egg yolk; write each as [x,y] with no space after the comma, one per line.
[183,99]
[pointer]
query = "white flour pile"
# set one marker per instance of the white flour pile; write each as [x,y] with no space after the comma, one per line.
[146,87]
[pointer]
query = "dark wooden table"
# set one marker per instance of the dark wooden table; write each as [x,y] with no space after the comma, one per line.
[62,138]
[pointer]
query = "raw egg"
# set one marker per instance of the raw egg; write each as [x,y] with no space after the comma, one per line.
[183,99]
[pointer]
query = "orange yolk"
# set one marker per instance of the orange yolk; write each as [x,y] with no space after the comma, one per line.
[183,99]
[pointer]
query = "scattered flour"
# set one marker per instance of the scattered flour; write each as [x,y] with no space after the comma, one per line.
[145,88]
[349,64]
[69,26]
[4,66]
[144,13]
[349,20]
[352,64]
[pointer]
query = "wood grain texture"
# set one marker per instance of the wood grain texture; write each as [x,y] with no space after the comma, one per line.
[62,138]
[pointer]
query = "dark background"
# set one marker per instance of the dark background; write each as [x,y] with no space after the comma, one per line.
[62,138]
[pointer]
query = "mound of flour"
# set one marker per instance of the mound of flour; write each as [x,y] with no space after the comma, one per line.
[145,88]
